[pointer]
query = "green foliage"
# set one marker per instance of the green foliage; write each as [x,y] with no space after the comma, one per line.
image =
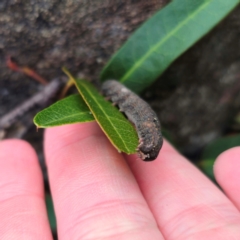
[69,110]
[117,128]
[213,150]
[50,212]
[206,165]
[220,145]
[161,39]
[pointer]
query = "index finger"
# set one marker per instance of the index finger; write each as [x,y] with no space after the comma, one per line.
[94,192]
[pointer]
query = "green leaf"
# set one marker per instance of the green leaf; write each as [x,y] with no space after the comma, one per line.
[213,150]
[164,37]
[118,129]
[206,165]
[69,110]
[50,212]
[220,145]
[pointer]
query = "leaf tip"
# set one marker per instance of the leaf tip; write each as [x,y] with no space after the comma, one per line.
[35,121]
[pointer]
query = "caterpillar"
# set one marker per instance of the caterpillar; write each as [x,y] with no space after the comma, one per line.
[140,114]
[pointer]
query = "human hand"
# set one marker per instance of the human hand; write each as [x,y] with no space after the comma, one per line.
[98,194]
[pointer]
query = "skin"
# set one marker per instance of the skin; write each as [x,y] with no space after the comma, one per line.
[101,194]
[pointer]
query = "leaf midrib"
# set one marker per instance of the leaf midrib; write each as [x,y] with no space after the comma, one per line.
[72,115]
[171,33]
[96,102]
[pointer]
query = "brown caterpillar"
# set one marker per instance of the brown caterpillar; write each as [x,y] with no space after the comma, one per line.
[140,114]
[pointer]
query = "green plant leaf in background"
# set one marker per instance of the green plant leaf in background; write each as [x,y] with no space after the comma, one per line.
[213,150]
[117,128]
[220,145]
[69,110]
[161,39]
[206,165]
[50,212]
